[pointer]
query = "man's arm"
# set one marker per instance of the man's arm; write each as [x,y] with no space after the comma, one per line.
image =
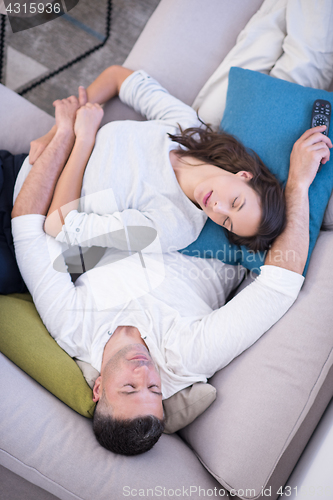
[39,257]
[37,146]
[106,86]
[37,191]
[290,249]
[68,189]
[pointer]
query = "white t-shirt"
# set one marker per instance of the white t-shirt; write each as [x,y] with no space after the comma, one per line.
[129,180]
[176,302]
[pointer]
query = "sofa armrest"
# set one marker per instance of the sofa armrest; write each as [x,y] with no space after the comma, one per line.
[190,39]
[22,122]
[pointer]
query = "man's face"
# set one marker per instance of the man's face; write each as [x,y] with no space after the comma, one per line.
[131,384]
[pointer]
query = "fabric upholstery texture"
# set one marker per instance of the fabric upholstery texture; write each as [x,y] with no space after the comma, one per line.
[189,47]
[20,114]
[328,216]
[186,405]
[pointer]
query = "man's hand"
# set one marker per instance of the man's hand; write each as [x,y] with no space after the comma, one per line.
[311,149]
[83,97]
[88,119]
[65,113]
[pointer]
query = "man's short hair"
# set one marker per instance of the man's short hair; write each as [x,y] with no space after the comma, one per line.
[128,436]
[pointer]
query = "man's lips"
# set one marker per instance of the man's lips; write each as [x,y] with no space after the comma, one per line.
[140,356]
[206,198]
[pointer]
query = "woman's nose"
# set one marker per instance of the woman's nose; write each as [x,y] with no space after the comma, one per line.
[220,208]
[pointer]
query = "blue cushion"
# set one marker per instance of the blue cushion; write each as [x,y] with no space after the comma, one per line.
[268,115]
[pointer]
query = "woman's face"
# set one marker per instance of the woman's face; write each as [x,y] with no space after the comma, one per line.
[230,202]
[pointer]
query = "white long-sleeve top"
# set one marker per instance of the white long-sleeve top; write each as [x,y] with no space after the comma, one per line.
[129,180]
[176,302]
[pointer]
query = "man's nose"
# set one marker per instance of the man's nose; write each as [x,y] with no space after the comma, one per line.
[142,369]
[142,374]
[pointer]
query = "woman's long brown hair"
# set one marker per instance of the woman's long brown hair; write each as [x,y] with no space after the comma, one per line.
[225,151]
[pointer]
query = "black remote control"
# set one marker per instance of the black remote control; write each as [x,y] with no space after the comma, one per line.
[321,114]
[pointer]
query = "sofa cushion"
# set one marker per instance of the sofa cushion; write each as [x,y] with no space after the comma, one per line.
[185,406]
[89,372]
[25,340]
[190,46]
[328,216]
[271,131]
[24,122]
[265,394]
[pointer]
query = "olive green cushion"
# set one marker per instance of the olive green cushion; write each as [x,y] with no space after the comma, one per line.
[25,340]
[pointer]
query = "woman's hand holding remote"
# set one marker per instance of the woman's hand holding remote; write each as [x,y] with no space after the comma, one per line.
[311,149]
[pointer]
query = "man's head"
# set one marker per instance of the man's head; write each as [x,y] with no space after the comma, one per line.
[129,413]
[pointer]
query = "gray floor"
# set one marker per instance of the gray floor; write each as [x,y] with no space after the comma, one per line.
[35,52]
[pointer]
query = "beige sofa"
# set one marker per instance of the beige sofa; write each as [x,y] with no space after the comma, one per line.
[269,399]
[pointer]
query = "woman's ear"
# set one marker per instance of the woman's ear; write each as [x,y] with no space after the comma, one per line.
[244,174]
[97,389]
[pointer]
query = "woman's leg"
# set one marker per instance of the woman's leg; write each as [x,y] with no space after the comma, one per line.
[307,57]
[10,277]
[258,47]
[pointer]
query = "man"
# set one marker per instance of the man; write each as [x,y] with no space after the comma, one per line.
[155,340]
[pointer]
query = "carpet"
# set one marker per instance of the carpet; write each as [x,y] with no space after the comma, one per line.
[34,53]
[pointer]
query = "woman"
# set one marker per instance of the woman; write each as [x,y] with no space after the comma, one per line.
[145,164]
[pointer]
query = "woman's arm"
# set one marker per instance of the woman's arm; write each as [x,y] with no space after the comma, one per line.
[147,96]
[225,333]
[68,189]
[107,84]
[290,249]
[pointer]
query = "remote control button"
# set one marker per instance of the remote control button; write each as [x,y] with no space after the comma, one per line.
[320,120]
